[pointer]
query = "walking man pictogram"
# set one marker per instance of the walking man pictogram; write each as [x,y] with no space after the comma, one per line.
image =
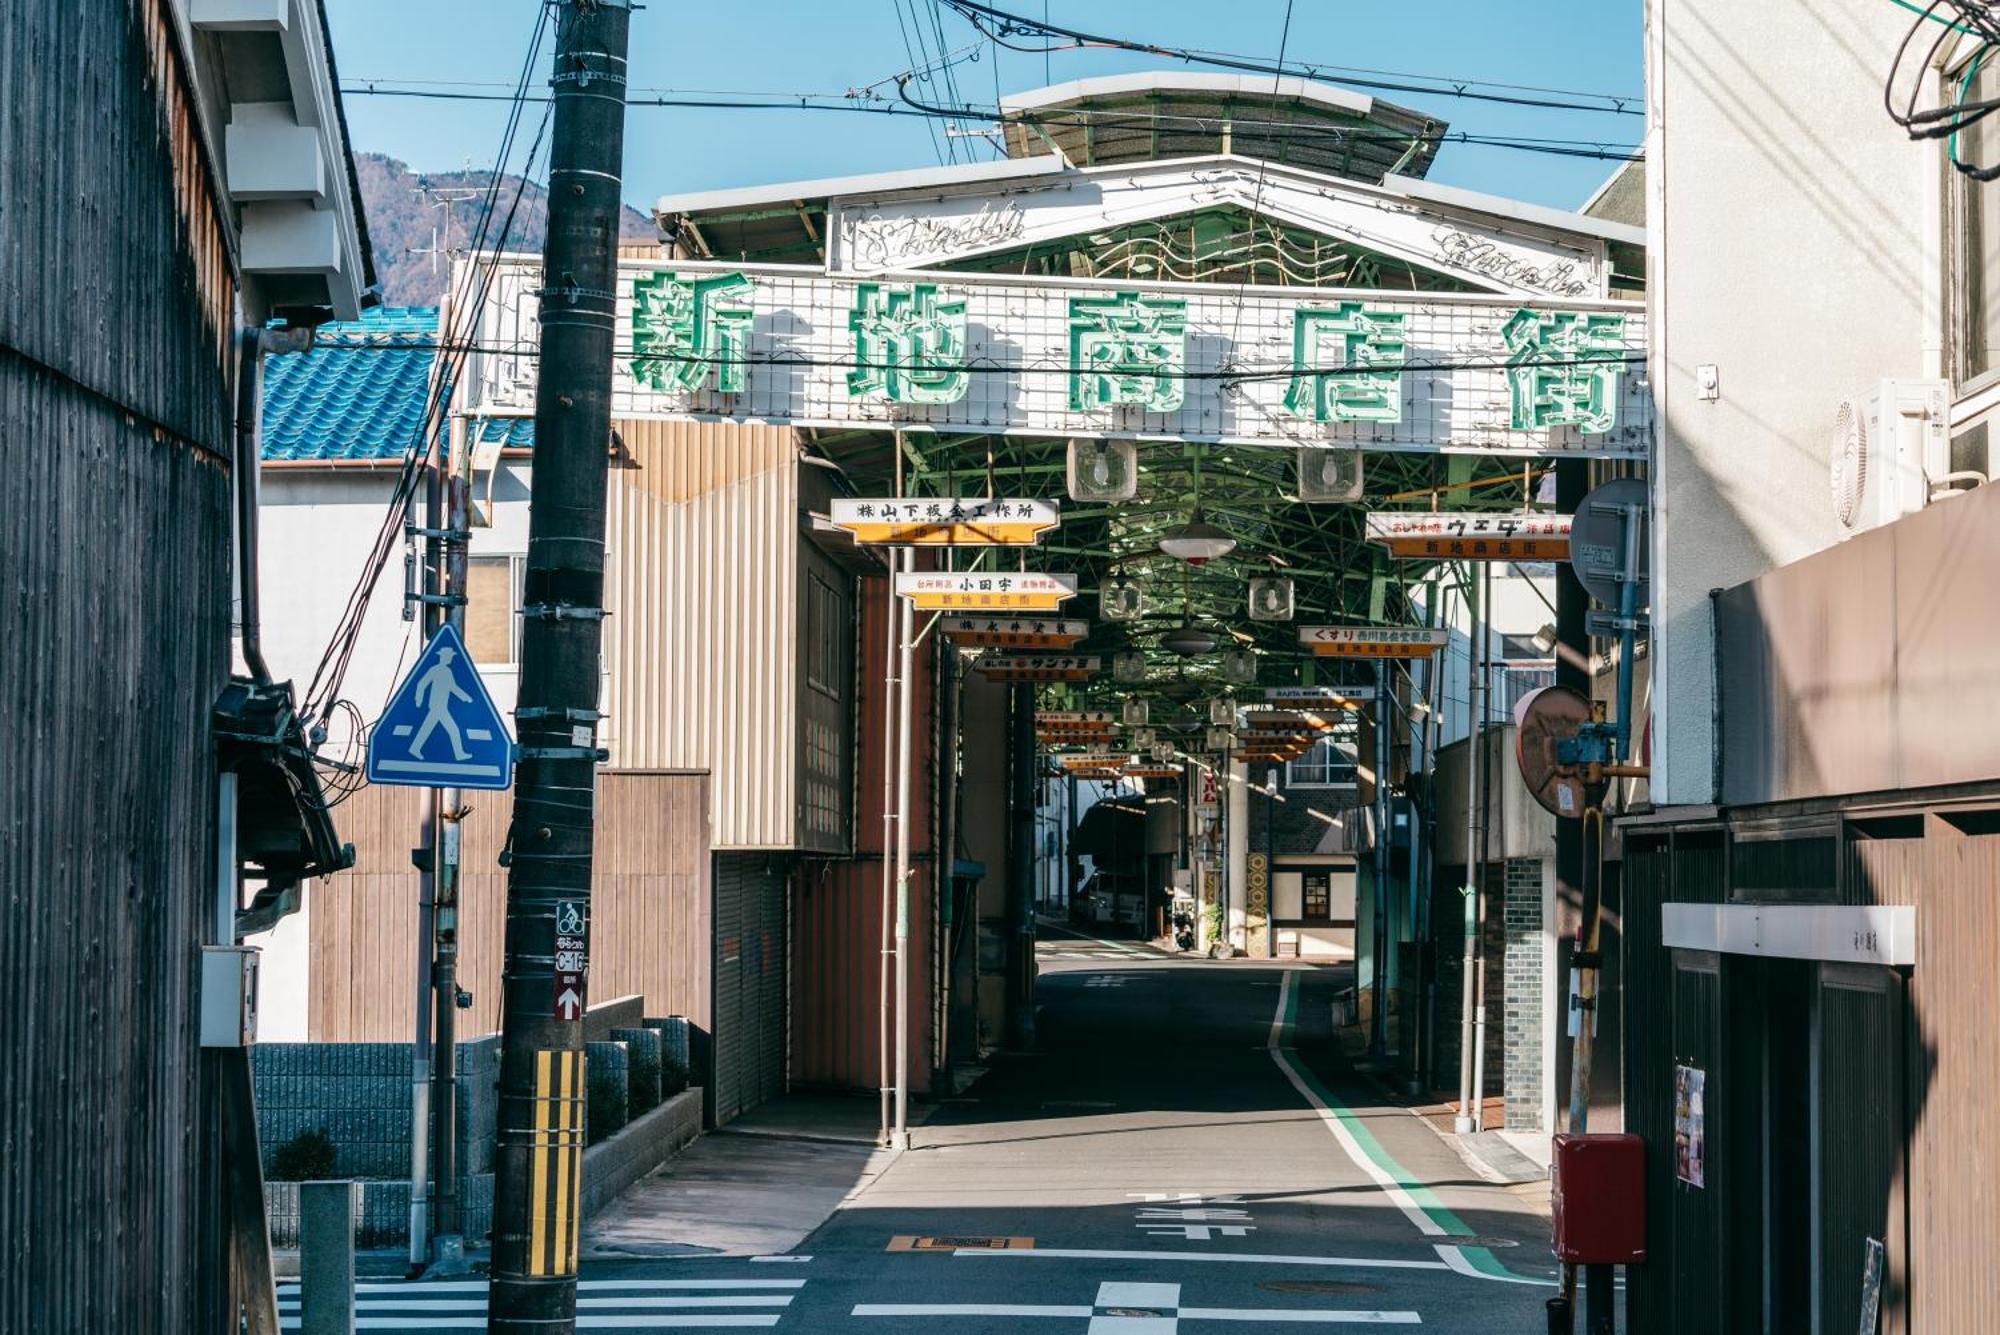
[435,692]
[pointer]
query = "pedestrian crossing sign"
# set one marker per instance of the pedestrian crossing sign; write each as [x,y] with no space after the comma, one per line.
[441,729]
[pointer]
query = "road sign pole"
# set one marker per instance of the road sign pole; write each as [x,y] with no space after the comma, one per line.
[539,1148]
[424,856]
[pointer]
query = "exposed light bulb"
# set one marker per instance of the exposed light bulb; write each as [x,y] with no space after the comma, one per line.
[1100,467]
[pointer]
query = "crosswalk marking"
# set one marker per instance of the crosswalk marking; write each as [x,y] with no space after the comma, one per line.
[1125,1307]
[610,1305]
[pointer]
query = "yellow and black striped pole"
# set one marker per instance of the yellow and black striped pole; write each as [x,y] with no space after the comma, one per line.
[555,1164]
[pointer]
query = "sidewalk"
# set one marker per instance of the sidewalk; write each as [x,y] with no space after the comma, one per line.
[757,1187]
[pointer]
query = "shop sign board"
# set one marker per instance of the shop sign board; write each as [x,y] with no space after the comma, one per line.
[1524,535]
[1373,641]
[1014,632]
[985,591]
[1039,667]
[1527,374]
[981,521]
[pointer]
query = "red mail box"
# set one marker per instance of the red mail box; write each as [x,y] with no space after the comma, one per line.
[1599,1198]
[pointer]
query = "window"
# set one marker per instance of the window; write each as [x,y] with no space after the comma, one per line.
[1330,764]
[826,637]
[492,609]
[1976,302]
[1318,895]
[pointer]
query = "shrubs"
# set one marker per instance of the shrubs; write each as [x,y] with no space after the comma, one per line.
[306,1157]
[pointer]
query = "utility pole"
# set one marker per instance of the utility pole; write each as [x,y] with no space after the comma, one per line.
[447,815]
[539,1153]
[1378,1018]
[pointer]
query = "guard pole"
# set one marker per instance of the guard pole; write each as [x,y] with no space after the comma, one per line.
[1378,1020]
[1471,1100]
[539,1148]
[899,1133]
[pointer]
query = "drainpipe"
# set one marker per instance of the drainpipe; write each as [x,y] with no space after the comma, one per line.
[251,345]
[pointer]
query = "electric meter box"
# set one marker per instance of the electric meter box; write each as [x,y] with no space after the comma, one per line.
[1599,1199]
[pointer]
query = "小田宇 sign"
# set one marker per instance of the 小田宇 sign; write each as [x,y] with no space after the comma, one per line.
[979,522]
[1025,591]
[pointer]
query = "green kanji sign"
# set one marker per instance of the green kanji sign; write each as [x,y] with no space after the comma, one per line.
[1363,338]
[682,328]
[1563,368]
[1127,350]
[909,346]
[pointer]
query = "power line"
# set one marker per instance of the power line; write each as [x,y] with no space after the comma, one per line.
[1006,24]
[1602,150]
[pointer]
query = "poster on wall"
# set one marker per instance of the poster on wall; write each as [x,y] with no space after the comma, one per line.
[1690,1142]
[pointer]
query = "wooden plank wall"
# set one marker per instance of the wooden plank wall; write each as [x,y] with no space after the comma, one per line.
[650,905]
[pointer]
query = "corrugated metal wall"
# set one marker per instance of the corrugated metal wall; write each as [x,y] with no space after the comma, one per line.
[115,300]
[750,970]
[702,641]
[649,908]
[837,919]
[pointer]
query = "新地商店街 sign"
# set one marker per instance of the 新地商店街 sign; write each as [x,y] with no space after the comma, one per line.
[1014,354]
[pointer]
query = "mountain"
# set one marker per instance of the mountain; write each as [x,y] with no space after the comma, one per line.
[404,224]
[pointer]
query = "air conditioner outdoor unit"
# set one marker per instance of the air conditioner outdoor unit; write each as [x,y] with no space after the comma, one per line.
[1891,453]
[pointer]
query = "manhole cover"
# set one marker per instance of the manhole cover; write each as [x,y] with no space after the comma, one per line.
[1320,1286]
[1471,1240]
[906,1242]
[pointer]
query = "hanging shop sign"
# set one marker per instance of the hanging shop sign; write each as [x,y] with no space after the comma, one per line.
[1014,632]
[1285,720]
[1520,536]
[977,522]
[1075,720]
[1094,760]
[1322,697]
[1039,667]
[1011,354]
[1373,641]
[1025,591]
[1151,772]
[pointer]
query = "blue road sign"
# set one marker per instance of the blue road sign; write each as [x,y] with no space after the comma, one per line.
[440,729]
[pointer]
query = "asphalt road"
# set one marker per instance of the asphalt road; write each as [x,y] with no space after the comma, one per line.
[1181,1154]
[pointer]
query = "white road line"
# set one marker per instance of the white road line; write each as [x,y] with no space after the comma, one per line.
[1455,1257]
[967,1309]
[775,1300]
[671,1322]
[1324,1318]
[480,1285]
[1125,1293]
[608,1321]
[1177,1258]
[1416,1214]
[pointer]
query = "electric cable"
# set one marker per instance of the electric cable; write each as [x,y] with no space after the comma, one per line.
[1007,24]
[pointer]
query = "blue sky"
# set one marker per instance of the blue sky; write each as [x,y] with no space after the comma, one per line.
[830,46]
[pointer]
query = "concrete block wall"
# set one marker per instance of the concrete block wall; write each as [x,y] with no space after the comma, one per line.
[1522,1036]
[358,1094]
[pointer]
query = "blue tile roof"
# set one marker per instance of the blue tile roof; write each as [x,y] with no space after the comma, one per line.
[359,394]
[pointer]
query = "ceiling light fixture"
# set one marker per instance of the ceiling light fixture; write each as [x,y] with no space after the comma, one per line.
[1196,542]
